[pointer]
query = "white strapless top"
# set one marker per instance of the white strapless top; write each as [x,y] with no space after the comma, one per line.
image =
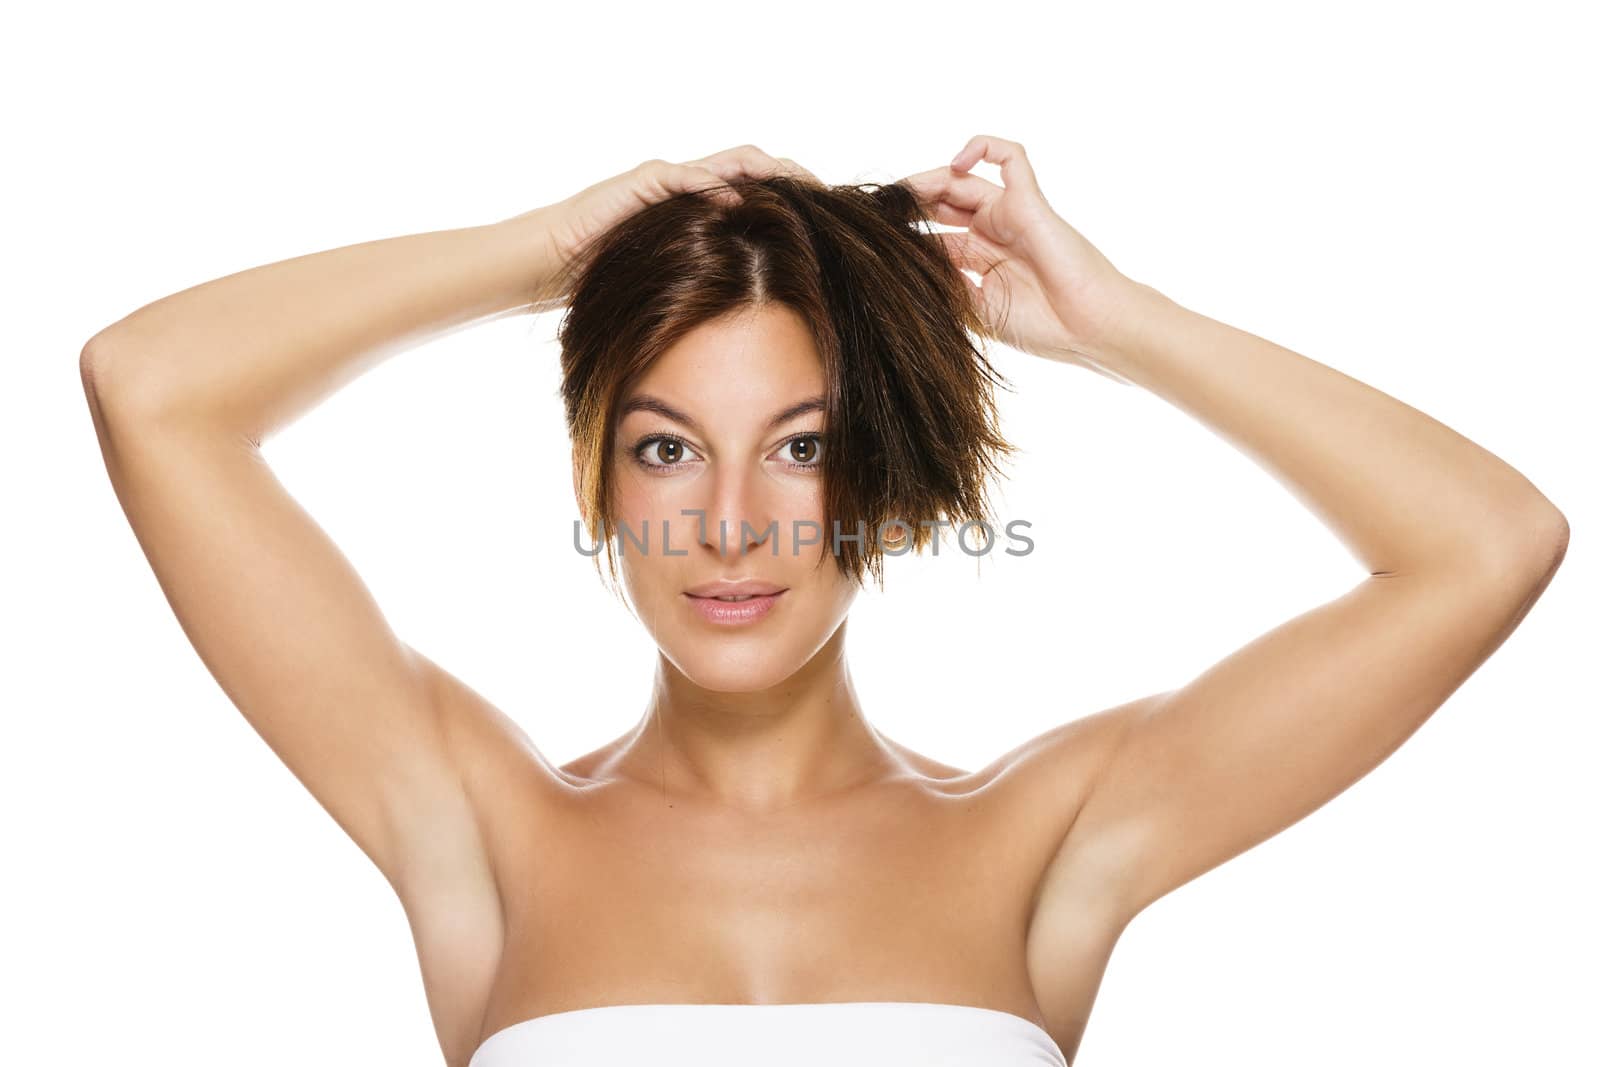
[879,1033]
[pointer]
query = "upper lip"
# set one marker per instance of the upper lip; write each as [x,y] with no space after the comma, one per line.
[735,587]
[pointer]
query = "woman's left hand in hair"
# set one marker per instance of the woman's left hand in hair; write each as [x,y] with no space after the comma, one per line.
[1045,289]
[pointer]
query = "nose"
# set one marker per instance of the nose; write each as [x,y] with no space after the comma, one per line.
[738,513]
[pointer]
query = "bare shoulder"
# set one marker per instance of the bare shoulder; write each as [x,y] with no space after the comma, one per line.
[1062,761]
[1042,783]
[482,737]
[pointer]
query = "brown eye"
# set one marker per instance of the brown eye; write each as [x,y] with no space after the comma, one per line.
[803,451]
[661,452]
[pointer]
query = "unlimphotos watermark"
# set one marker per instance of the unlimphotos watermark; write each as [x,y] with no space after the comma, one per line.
[888,541]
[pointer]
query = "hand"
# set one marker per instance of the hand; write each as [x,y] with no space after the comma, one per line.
[570,225]
[1045,289]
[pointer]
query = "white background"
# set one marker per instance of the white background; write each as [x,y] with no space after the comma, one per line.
[1404,192]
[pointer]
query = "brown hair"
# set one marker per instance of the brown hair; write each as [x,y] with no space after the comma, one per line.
[911,430]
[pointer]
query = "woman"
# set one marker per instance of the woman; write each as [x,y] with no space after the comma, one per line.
[754,873]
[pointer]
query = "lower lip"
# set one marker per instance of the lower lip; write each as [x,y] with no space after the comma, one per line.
[734,613]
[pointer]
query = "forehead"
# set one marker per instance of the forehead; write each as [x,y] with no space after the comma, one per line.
[749,363]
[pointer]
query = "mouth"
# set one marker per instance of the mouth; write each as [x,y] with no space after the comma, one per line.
[734,610]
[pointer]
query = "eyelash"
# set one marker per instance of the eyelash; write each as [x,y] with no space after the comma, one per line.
[656,438]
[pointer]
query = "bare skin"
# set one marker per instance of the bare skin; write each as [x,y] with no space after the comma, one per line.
[755,840]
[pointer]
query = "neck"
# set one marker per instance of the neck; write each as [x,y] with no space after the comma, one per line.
[758,751]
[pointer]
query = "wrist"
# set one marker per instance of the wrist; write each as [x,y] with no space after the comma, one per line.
[530,241]
[1128,309]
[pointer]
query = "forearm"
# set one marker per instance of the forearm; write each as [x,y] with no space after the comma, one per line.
[1403,491]
[249,352]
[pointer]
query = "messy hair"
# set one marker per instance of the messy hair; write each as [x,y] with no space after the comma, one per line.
[911,430]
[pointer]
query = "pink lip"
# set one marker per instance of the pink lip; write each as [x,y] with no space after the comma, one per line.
[735,614]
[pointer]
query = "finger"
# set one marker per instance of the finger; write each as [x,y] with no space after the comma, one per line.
[686,177]
[965,192]
[748,160]
[1015,170]
[796,168]
[928,187]
[940,211]
[719,189]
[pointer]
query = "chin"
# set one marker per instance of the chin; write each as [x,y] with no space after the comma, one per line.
[744,664]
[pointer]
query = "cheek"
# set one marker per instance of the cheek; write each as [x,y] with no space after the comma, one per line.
[644,504]
[630,493]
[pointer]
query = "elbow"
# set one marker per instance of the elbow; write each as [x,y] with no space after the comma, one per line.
[1537,549]
[91,362]
[1546,533]
[114,377]
[1557,533]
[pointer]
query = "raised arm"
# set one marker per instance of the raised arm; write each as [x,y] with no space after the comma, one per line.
[1458,544]
[182,393]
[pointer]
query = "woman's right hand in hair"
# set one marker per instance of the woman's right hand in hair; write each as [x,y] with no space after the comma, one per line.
[571,224]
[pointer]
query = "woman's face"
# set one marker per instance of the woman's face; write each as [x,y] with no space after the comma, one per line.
[719,445]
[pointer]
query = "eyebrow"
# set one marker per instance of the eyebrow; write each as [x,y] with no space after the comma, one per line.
[648,402]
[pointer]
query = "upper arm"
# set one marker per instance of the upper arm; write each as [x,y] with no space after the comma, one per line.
[1195,776]
[292,635]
